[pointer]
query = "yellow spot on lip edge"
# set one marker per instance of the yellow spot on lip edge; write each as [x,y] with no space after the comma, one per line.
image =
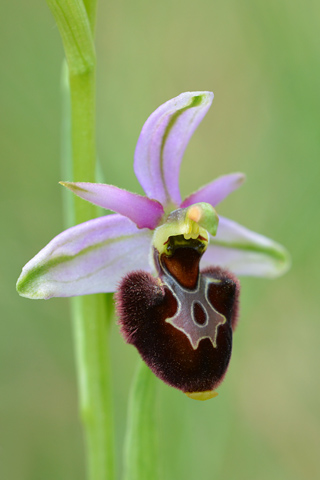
[202,395]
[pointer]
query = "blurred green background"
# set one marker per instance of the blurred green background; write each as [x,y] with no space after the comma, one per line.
[261,59]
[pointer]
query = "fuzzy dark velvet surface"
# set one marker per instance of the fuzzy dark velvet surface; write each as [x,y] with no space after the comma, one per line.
[144,303]
[225,296]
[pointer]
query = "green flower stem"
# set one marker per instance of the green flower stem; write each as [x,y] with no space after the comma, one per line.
[91,328]
[140,452]
[75,20]
[82,90]
[91,331]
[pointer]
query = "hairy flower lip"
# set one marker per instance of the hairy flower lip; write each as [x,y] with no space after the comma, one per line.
[155,315]
[92,257]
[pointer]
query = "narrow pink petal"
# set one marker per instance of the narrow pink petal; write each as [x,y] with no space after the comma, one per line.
[245,252]
[215,191]
[143,211]
[162,143]
[89,258]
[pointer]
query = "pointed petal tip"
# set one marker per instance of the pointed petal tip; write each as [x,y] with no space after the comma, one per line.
[206,95]
[241,177]
[64,184]
[28,288]
[195,99]
[74,187]
[282,262]
[217,190]
[21,287]
[276,261]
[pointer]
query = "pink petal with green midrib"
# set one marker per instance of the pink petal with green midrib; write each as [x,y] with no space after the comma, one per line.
[89,258]
[162,142]
[245,252]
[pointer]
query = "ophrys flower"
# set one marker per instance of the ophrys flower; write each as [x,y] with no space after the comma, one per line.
[160,234]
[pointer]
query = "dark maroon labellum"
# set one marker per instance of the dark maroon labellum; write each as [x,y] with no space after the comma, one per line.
[181,323]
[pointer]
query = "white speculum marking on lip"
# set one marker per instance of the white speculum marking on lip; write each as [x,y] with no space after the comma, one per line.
[184,318]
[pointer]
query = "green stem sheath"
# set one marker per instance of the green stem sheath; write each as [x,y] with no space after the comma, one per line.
[91,9]
[140,451]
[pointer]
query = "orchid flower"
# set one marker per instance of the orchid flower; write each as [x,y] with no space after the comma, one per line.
[180,319]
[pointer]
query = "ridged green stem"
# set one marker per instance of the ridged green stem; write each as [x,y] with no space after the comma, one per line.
[140,451]
[90,315]
[91,333]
